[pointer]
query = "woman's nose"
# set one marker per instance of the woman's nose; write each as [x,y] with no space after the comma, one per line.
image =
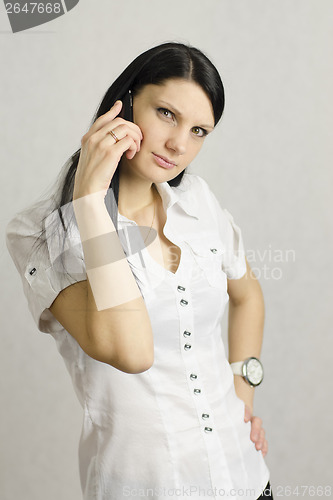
[177,142]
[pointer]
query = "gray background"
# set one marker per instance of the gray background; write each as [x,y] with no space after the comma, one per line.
[268,163]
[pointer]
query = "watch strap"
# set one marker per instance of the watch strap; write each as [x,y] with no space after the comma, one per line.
[237,367]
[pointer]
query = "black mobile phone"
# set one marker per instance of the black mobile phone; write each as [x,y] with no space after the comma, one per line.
[127,111]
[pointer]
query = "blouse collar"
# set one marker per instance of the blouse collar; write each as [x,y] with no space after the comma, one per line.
[180,195]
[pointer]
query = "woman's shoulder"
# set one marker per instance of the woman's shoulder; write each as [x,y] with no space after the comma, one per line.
[26,227]
[199,192]
[197,189]
[31,218]
[193,188]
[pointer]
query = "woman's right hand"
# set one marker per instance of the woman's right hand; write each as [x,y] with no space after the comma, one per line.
[100,153]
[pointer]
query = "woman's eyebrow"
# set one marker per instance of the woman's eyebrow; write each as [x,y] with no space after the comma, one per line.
[172,108]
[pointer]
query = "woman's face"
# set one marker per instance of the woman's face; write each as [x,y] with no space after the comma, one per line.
[174,118]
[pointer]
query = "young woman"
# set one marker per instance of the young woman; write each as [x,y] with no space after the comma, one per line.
[130,266]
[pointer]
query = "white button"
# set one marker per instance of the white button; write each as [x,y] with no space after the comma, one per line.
[187,347]
[197,391]
[180,288]
[208,429]
[186,333]
[205,415]
[184,302]
[193,376]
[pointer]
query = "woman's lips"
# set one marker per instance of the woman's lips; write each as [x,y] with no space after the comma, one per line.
[163,162]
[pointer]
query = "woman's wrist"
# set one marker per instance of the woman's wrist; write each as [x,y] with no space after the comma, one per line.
[244,391]
[110,277]
[92,216]
[88,195]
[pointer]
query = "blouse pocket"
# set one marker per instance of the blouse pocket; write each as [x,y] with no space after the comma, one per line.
[208,251]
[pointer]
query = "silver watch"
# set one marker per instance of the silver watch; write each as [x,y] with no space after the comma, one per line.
[250,369]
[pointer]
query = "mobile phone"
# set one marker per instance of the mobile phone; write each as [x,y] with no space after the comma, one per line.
[127,111]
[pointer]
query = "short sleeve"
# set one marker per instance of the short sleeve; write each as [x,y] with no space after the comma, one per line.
[47,262]
[233,263]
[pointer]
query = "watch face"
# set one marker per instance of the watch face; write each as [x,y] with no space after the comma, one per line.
[254,371]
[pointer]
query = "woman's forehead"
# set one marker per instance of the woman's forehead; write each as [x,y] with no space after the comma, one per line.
[184,96]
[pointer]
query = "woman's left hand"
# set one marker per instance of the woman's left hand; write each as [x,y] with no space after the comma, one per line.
[257,432]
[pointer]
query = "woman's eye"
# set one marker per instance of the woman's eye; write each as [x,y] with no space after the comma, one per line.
[198,131]
[165,112]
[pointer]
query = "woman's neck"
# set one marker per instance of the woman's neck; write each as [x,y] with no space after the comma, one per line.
[135,195]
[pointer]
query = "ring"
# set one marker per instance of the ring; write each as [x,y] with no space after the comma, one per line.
[113,135]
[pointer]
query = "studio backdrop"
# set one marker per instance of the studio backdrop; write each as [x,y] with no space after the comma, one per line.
[268,162]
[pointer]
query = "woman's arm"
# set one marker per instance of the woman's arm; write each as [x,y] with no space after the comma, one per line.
[106,313]
[246,324]
[245,335]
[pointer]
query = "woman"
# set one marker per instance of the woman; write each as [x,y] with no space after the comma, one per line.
[131,272]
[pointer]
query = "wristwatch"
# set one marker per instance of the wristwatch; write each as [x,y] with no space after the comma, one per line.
[250,369]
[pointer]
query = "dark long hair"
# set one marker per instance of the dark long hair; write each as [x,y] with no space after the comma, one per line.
[155,66]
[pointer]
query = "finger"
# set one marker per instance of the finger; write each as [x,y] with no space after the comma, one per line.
[121,131]
[248,414]
[257,421]
[118,134]
[126,144]
[130,153]
[104,141]
[264,449]
[255,428]
[260,440]
[107,117]
[122,134]
[120,121]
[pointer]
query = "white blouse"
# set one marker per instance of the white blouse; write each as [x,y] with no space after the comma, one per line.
[176,430]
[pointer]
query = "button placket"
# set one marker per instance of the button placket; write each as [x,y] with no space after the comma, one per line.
[187,339]
[181,289]
[204,414]
[185,313]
